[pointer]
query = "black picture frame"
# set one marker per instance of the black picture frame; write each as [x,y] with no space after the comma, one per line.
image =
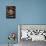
[10,11]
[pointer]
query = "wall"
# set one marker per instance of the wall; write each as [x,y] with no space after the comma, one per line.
[31,11]
[27,12]
[6,25]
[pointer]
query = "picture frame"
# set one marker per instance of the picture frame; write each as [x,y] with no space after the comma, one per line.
[10,11]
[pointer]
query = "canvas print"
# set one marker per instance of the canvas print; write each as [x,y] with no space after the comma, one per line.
[29,34]
[11,12]
[33,32]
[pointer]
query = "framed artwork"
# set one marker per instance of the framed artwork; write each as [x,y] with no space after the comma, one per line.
[10,11]
[32,32]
